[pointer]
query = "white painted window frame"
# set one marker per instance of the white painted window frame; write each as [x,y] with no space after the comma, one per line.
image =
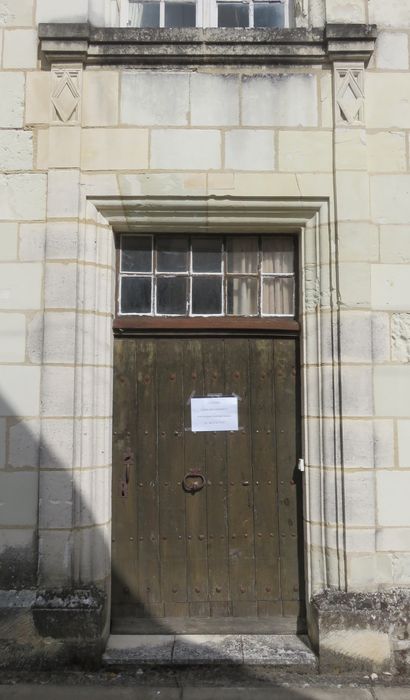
[207,11]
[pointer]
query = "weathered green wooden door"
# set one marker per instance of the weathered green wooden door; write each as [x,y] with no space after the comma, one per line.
[231,549]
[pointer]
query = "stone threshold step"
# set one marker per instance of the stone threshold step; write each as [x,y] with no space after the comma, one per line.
[282,651]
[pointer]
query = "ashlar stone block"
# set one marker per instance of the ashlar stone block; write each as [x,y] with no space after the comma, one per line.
[15,13]
[114,149]
[93,496]
[51,11]
[3,428]
[395,13]
[390,287]
[22,196]
[60,286]
[392,51]
[214,100]
[354,284]
[246,149]
[16,150]
[393,539]
[32,242]
[57,403]
[59,337]
[392,390]
[280,100]
[20,48]
[24,444]
[390,198]
[20,286]
[151,98]
[19,499]
[12,100]
[352,189]
[400,337]
[8,241]
[387,100]
[100,98]
[392,498]
[351,149]
[55,557]
[353,11]
[12,337]
[395,244]
[63,194]
[387,152]
[58,147]
[358,241]
[305,151]
[56,504]
[403,438]
[19,390]
[180,149]
[38,97]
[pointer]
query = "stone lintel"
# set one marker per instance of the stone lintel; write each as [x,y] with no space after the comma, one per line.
[191,46]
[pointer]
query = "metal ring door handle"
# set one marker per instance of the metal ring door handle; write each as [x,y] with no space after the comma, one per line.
[193,482]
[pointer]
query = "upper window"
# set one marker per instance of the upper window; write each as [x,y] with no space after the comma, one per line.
[207,276]
[208,13]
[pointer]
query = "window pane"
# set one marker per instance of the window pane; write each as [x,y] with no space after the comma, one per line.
[180,14]
[207,295]
[231,14]
[136,295]
[242,254]
[172,255]
[277,255]
[136,255]
[207,254]
[242,296]
[144,14]
[172,295]
[268,14]
[277,296]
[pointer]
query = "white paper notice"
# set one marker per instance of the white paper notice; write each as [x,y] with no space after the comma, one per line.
[214,413]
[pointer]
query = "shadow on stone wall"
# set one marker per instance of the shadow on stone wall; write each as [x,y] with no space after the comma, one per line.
[45,624]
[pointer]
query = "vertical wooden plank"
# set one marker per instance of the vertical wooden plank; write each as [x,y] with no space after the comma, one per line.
[195,504]
[285,369]
[217,490]
[144,426]
[171,469]
[240,492]
[264,472]
[125,530]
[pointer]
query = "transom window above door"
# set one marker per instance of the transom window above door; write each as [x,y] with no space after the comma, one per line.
[209,13]
[191,276]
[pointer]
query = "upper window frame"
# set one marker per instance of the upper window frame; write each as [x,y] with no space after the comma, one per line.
[144,322]
[207,11]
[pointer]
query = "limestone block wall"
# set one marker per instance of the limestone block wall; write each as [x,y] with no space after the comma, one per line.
[335,134]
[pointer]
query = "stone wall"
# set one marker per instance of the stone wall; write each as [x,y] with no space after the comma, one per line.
[335,134]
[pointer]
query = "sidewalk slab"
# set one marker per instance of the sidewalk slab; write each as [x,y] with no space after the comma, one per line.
[280,651]
[133,648]
[208,649]
[277,650]
[392,693]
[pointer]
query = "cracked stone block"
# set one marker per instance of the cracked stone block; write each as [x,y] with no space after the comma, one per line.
[400,337]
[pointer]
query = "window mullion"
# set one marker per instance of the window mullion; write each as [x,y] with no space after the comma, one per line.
[251,14]
[162,13]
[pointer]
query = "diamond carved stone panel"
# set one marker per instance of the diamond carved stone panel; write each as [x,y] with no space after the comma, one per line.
[66,93]
[349,94]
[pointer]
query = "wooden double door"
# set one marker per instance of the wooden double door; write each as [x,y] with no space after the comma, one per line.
[206,525]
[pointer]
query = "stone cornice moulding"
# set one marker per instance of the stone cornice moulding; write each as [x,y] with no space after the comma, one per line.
[95,46]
